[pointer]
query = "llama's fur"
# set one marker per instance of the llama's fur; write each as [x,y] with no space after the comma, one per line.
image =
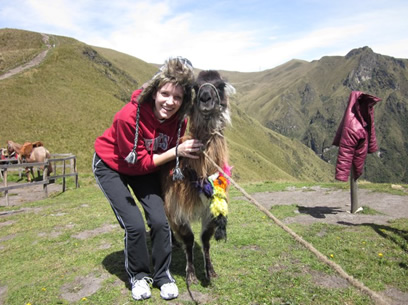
[184,202]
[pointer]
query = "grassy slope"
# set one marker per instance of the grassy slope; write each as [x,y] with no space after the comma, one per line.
[71,98]
[66,102]
[307,101]
[18,47]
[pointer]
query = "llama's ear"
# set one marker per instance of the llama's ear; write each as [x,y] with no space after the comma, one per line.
[229,89]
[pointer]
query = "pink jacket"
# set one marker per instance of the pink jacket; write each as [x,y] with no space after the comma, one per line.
[355,135]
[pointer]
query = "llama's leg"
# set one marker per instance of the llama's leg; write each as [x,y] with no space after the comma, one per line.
[208,229]
[186,235]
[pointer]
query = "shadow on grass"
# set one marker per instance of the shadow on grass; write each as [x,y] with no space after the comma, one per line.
[397,236]
[114,263]
[318,212]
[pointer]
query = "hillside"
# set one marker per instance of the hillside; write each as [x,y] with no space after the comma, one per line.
[70,99]
[307,100]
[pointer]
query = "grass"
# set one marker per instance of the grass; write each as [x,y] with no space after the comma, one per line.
[44,257]
[18,47]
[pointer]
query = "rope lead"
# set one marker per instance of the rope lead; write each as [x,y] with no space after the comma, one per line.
[378,299]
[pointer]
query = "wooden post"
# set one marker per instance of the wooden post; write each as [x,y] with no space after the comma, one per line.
[353,192]
[45,178]
[55,168]
[20,169]
[63,178]
[5,185]
[76,173]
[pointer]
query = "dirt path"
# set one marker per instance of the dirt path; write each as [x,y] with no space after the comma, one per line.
[332,206]
[36,61]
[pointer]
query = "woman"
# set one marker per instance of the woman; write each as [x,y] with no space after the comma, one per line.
[143,136]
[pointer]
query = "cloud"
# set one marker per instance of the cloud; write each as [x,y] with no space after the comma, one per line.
[218,36]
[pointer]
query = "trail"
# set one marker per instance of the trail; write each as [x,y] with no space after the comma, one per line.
[34,62]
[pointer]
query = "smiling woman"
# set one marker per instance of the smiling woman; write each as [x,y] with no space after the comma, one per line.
[143,136]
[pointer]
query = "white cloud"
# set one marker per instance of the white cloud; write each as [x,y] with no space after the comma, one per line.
[155,30]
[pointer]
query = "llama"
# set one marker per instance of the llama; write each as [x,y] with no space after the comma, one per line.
[202,191]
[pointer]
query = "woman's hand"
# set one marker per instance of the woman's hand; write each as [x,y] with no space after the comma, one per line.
[190,149]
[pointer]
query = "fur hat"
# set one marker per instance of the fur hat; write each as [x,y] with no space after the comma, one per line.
[178,71]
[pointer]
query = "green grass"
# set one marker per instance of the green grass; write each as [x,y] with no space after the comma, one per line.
[43,257]
[18,47]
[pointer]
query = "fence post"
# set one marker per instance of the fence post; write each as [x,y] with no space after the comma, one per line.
[45,178]
[76,172]
[63,178]
[55,168]
[5,185]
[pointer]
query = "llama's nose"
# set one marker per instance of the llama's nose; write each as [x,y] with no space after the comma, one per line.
[205,98]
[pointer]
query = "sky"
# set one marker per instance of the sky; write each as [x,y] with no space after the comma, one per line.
[233,35]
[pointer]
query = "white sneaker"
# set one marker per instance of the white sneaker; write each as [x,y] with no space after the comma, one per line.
[141,288]
[169,291]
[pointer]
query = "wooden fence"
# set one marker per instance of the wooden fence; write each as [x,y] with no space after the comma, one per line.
[59,162]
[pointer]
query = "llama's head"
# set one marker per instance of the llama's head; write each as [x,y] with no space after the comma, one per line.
[10,147]
[211,101]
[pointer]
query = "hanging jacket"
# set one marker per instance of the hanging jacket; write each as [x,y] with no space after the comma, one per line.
[355,135]
[154,137]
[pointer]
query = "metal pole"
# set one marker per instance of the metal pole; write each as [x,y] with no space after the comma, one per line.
[353,192]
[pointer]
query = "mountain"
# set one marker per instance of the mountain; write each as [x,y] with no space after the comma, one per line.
[71,96]
[306,101]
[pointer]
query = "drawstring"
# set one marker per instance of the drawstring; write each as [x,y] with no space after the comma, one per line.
[177,173]
[132,156]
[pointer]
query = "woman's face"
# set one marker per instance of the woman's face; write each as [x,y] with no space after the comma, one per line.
[167,101]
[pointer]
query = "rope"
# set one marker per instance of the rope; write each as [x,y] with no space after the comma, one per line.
[378,299]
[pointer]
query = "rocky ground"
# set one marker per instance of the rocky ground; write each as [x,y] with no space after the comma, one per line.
[332,206]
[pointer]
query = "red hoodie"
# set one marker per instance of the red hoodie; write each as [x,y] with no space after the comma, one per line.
[117,141]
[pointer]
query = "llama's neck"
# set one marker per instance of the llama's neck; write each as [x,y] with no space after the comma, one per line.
[215,150]
[206,130]
[211,133]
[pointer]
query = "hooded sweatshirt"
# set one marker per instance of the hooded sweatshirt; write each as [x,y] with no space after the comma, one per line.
[155,137]
[355,135]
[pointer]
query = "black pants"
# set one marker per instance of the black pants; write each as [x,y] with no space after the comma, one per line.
[147,190]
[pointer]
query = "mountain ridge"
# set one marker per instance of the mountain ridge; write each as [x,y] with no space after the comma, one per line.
[307,100]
